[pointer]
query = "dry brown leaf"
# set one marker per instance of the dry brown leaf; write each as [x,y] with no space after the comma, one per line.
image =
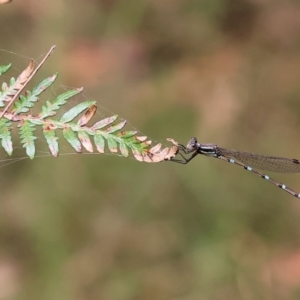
[85,141]
[21,80]
[141,138]
[147,158]
[173,150]
[155,154]
[172,153]
[26,73]
[138,156]
[155,149]
[157,158]
[87,115]
[172,141]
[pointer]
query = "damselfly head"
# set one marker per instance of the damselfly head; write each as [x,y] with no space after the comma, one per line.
[192,144]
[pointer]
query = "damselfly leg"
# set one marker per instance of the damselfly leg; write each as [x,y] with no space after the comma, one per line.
[184,160]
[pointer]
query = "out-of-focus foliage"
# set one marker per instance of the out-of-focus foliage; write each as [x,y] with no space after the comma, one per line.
[226,71]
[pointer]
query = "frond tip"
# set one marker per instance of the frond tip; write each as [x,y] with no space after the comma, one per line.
[156,154]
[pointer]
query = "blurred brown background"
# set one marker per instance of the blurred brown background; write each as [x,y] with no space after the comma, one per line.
[104,227]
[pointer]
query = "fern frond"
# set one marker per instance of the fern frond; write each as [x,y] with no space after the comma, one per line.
[87,115]
[107,132]
[49,110]
[26,133]
[72,139]
[104,122]
[5,135]
[4,69]
[51,139]
[75,111]
[9,90]
[99,142]
[26,102]
[85,140]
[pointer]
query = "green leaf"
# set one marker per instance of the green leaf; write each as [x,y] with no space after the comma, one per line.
[5,135]
[137,145]
[26,133]
[104,122]
[116,127]
[4,86]
[75,111]
[26,102]
[36,121]
[127,134]
[50,108]
[23,105]
[99,142]
[85,140]
[7,91]
[112,144]
[4,69]
[73,140]
[42,86]
[123,148]
[51,139]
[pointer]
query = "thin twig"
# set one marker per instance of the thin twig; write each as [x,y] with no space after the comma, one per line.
[29,78]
